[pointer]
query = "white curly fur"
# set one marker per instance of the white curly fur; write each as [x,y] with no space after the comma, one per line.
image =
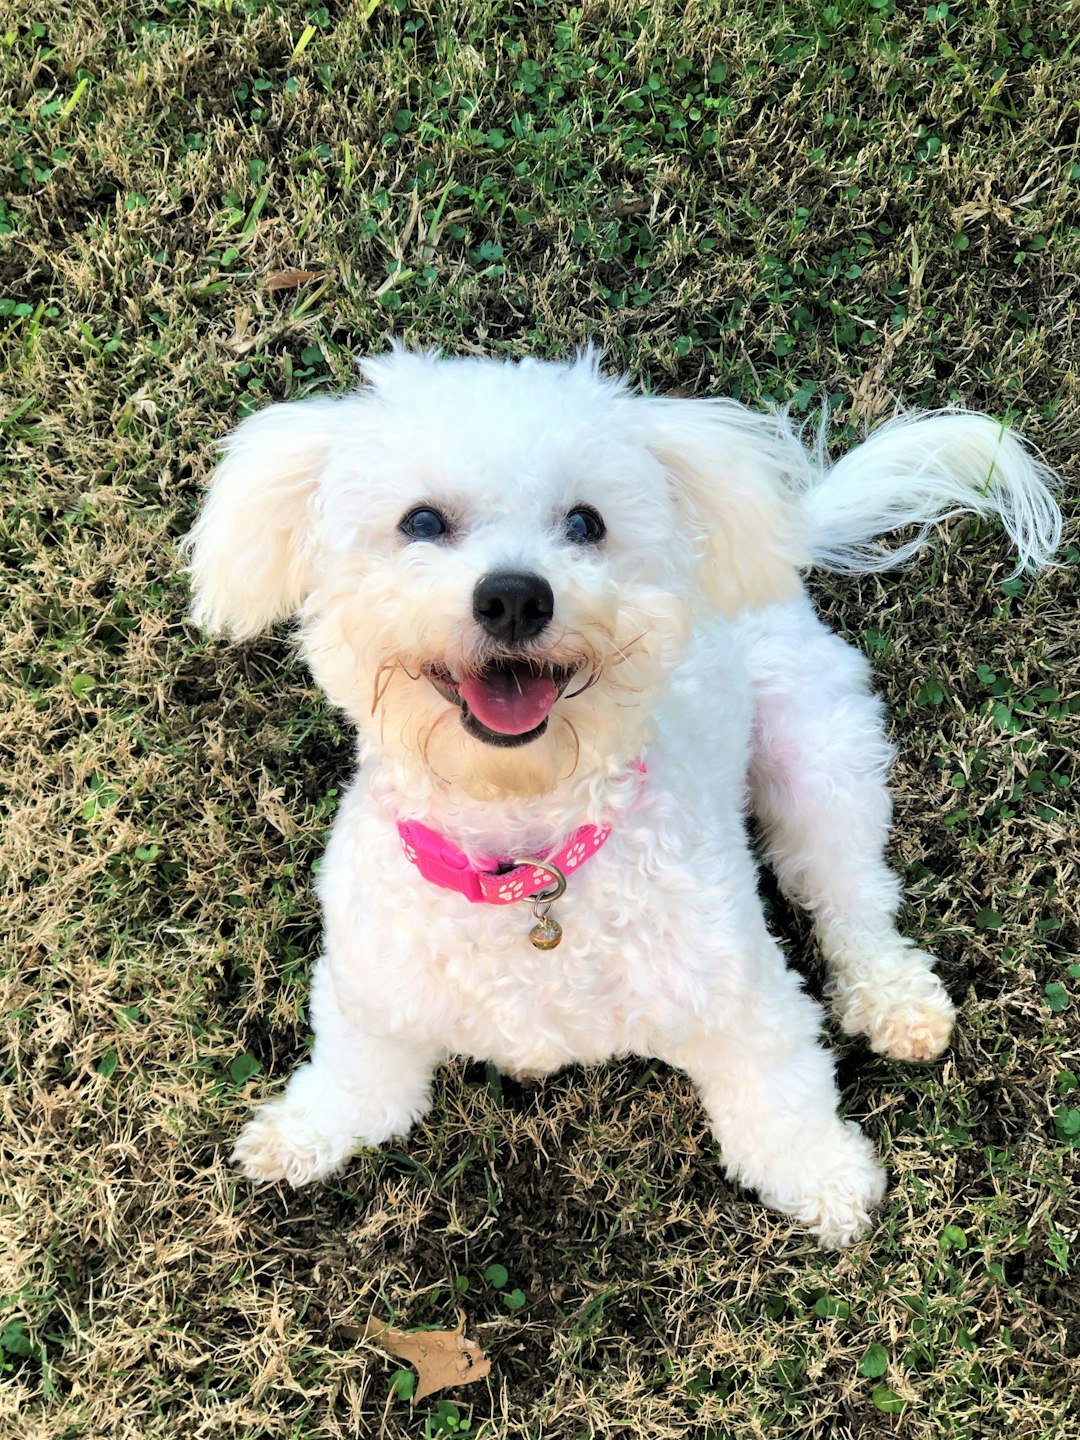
[708,661]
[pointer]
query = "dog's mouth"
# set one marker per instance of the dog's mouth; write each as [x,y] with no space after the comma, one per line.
[507,702]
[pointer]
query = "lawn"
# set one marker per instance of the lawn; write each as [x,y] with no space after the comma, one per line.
[205,206]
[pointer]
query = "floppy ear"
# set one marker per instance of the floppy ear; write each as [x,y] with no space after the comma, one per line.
[250,550]
[729,469]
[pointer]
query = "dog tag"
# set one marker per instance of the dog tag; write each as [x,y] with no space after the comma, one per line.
[546,933]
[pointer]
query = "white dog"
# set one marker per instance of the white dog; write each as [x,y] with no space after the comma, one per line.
[568,623]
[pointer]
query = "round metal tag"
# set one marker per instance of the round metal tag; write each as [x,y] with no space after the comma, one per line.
[546,933]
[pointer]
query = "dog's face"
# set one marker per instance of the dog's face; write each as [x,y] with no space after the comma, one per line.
[495,565]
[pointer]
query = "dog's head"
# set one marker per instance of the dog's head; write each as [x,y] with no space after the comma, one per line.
[495,565]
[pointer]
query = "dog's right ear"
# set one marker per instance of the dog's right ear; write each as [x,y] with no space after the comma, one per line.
[250,551]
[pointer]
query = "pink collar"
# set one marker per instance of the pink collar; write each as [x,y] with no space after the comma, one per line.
[490,882]
[443,863]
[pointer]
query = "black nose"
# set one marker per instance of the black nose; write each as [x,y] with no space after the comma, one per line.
[513,607]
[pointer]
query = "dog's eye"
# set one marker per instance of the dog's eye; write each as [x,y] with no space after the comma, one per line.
[585,526]
[424,524]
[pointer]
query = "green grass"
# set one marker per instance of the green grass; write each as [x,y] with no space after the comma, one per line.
[840,204]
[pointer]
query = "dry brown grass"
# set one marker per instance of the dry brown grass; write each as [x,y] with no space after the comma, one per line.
[166,799]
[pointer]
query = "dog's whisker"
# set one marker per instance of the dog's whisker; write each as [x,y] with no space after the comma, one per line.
[594,676]
[425,746]
[577,746]
[626,650]
[383,676]
[613,683]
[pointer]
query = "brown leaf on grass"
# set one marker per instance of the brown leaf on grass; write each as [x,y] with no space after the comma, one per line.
[624,207]
[442,1357]
[292,279]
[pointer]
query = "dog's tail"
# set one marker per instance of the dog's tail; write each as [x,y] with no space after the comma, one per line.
[919,469]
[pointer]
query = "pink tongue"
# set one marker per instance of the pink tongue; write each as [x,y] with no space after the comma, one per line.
[509,700]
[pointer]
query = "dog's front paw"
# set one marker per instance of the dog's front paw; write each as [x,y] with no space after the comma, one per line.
[835,1202]
[283,1142]
[899,1004]
[914,1030]
[849,1190]
[846,1202]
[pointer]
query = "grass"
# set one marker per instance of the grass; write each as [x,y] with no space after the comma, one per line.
[843,203]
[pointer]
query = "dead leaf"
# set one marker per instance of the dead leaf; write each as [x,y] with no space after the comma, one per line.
[630,207]
[292,279]
[442,1357]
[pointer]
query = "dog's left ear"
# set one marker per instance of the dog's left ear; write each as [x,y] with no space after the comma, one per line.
[729,469]
[250,550]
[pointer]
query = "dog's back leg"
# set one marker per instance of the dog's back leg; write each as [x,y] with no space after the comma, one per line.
[819,786]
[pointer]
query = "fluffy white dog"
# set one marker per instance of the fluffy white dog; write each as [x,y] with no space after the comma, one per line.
[568,622]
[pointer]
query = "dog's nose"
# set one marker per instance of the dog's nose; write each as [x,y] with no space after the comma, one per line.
[513,607]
